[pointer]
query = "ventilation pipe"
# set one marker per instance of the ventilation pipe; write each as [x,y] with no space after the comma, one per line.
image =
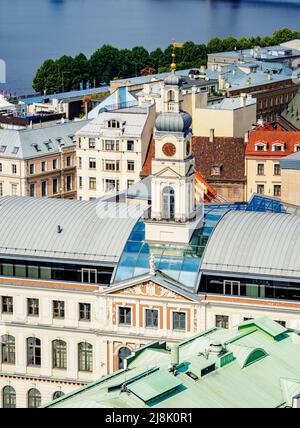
[211,135]
[174,357]
[246,140]
[243,100]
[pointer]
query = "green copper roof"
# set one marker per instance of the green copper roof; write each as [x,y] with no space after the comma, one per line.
[246,366]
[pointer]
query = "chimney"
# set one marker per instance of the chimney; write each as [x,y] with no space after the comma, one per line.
[243,100]
[211,135]
[246,137]
[221,81]
[174,356]
[270,76]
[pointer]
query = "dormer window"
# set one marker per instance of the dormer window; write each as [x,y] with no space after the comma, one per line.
[216,169]
[37,148]
[278,147]
[113,123]
[260,147]
[297,148]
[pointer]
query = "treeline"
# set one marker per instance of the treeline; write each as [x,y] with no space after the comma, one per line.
[108,63]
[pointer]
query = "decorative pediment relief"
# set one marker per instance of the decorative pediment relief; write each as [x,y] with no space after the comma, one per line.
[168,173]
[150,289]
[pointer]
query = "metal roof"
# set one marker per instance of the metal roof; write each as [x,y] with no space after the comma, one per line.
[65,95]
[254,243]
[264,372]
[32,142]
[92,231]
[291,161]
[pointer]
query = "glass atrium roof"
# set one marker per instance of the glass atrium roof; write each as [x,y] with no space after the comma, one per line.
[182,263]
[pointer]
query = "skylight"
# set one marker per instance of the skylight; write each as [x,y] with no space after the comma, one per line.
[15,150]
[2,149]
[37,148]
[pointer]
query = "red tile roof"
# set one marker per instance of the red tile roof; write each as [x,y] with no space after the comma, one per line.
[288,138]
[146,169]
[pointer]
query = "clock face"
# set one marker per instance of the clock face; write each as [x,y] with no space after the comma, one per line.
[169,149]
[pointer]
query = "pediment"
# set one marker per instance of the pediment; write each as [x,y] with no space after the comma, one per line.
[167,173]
[149,289]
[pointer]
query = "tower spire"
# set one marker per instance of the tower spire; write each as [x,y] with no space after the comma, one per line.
[174,46]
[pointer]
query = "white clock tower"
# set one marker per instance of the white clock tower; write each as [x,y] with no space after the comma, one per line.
[173,211]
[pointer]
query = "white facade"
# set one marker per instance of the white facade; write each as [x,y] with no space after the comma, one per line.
[111,151]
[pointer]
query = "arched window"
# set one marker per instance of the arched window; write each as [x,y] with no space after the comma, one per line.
[33,352]
[85,357]
[57,394]
[122,354]
[59,354]
[34,398]
[168,196]
[8,397]
[171,96]
[113,123]
[8,352]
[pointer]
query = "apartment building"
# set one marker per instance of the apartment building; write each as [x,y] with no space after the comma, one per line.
[39,162]
[111,150]
[264,151]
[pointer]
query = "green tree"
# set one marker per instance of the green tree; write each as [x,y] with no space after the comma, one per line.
[47,76]
[105,64]
[229,43]
[215,45]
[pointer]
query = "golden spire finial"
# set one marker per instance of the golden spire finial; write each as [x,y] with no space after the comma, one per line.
[175,45]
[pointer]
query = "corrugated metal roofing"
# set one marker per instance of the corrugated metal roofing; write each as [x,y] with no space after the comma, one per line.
[255,243]
[291,161]
[92,231]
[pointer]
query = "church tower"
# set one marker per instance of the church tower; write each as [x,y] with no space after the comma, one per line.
[173,172]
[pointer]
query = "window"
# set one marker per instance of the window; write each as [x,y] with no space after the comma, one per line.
[216,170]
[58,309]
[130,183]
[32,307]
[69,161]
[278,147]
[54,163]
[54,185]
[79,142]
[8,349]
[277,170]
[80,182]
[14,189]
[0,167]
[122,355]
[14,168]
[92,183]
[130,165]
[32,190]
[92,163]
[33,352]
[1,189]
[34,398]
[44,188]
[260,189]
[49,145]
[85,357]
[36,147]
[2,149]
[231,287]
[84,311]
[92,143]
[179,320]
[111,165]
[297,148]
[151,318]
[113,124]
[260,147]
[59,354]
[277,190]
[260,169]
[43,166]
[69,183]
[111,185]
[111,145]
[222,321]
[130,146]
[57,395]
[168,199]
[79,162]
[125,316]
[7,305]
[8,397]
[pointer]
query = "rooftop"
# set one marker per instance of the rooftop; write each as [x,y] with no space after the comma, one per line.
[291,161]
[254,364]
[91,231]
[288,139]
[286,50]
[29,143]
[248,243]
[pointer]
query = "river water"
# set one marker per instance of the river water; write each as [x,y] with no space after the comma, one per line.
[33,30]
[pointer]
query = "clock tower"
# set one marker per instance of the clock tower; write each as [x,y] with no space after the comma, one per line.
[173,212]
